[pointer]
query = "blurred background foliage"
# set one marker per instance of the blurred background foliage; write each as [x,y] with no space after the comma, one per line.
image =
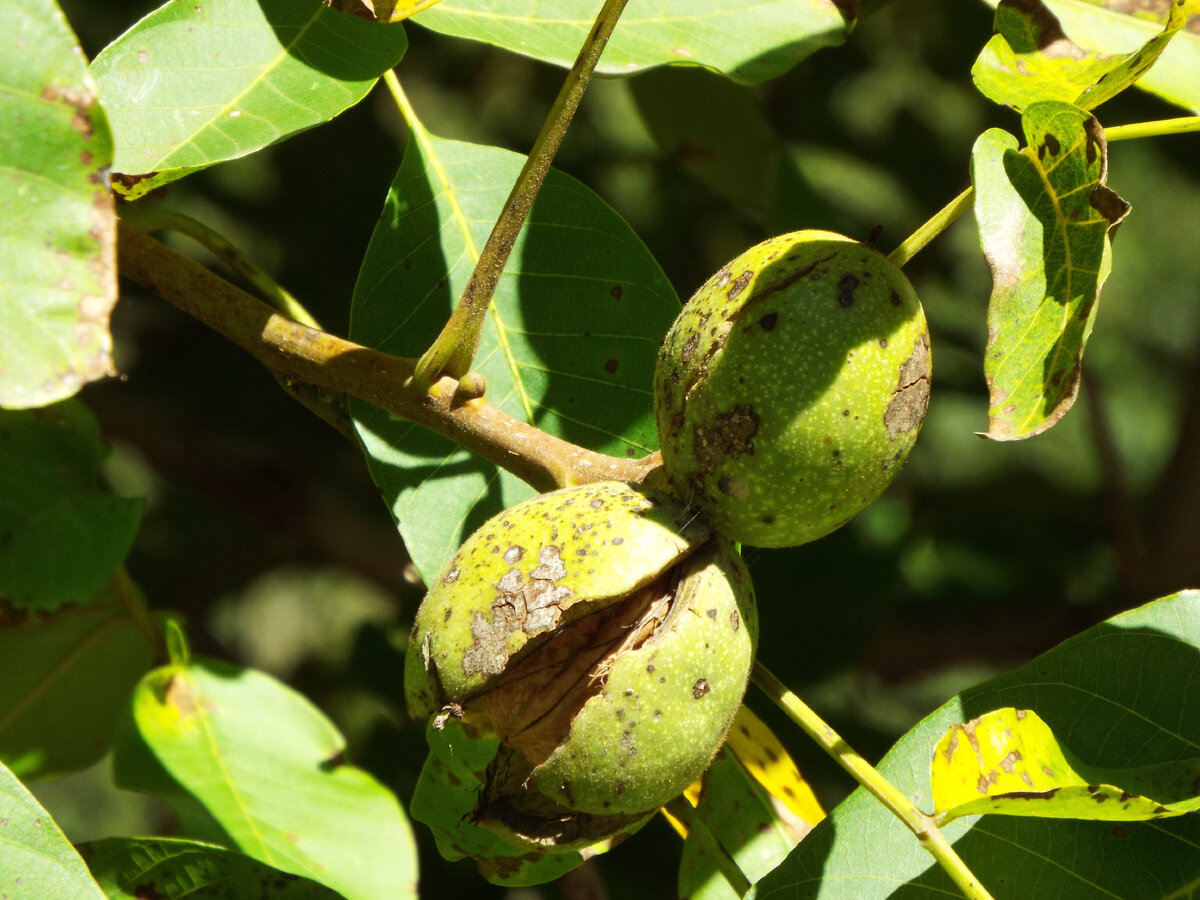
[264,530]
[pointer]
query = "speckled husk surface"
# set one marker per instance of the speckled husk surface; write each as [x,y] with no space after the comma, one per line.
[666,705]
[604,635]
[531,569]
[792,386]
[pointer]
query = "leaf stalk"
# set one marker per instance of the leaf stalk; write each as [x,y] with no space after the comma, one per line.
[919,823]
[940,221]
[454,348]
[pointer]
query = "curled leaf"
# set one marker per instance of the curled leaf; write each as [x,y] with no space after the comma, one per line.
[1045,220]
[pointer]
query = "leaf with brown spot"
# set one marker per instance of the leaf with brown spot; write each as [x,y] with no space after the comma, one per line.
[754,803]
[1121,31]
[1031,59]
[578,371]
[1125,691]
[58,279]
[1045,220]
[1020,768]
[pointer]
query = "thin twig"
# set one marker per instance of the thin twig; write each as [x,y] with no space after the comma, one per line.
[341,368]
[1156,128]
[154,218]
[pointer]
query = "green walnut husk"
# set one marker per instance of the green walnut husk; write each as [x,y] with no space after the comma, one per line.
[602,638]
[792,386]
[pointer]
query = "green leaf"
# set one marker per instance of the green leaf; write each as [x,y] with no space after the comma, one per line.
[569,345]
[445,797]
[1045,218]
[267,769]
[64,683]
[716,132]
[1111,31]
[1030,60]
[36,860]
[753,805]
[1128,689]
[61,536]
[1009,762]
[169,869]
[745,824]
[193,84]
[58,280]
[748,40]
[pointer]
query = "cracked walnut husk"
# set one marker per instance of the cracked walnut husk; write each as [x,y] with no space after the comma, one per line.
[605,636]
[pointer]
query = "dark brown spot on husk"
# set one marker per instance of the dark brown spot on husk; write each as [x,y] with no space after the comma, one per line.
[846,289]
[729,436]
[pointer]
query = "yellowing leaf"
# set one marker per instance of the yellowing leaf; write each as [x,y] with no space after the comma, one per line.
[382,10]
[1031,59]
[752,807]
[764,757]
[1010,763]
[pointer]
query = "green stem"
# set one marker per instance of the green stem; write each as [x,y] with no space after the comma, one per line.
[156,219]
[1157,128]
[960,204]
[454,349]
[919,823]
[940,222]
[709,845]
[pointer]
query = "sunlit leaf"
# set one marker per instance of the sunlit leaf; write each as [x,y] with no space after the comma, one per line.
[1030,59]
[64,682]
[61,535]
[754,806]
[382,10]
[1127,690]
[267,768]
[36,860]
[1045,217]
[569,345]
[172,869]
[193,84]
[1009,762]
[1112,27]
[58,277]
[765,759]
[748,40]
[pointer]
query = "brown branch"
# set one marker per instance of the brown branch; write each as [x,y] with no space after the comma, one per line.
[298,355]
